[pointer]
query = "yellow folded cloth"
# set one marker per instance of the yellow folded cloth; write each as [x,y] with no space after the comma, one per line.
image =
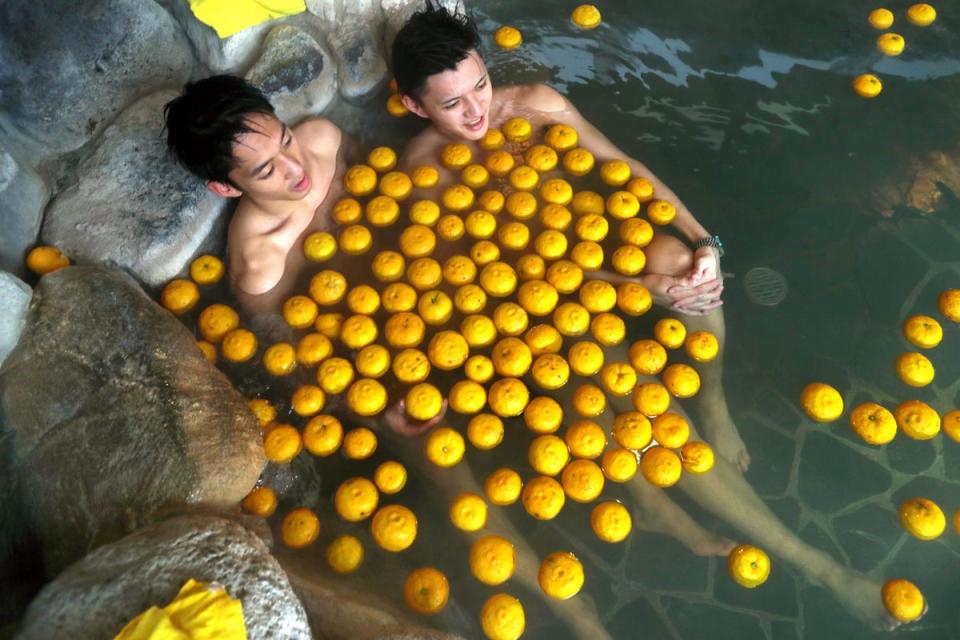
[199,612]
[230,16]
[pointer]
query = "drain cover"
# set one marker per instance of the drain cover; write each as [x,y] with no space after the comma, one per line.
[765,286]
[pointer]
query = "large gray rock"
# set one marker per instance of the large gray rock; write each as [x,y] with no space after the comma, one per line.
[133,206]
[354,31]
[397,12]
[68,68]
[116,416]
[233,54]
[14,299]
[96,597]
[23,195]
[295,72]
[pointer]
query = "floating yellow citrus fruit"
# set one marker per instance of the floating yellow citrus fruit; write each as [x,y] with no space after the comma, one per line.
[903,600]
[880,18]
[697,457]
[300,528]
[423,401]
[345,554]
[592,227]
[681,380]
[661,212]
[922,518]
[586,16]
[264,410]
[749,566]
[586,439]
[470,298]
[588,203]
[435,307]
[702,346]
[395,106]
[468,512]
[491,201]
[356,499]
[381,211]
[561,575]
[821,402]
[585,358]
[578,161]
[492,140]
[556,191]
[890,44]
[548,454]
[399,296]
[492,560]
[280,359]
[508,397]
[543,498]
[543,415]
[538,297]
[456,155]
[611,521]
[671,430]
[503,486]
[417,241]
[394,527]
[179,296]
[313,348]
[608,329]
[216,321]
[923,331]
[571,319]
[949,304]
[485,431]
[478,368]
[207,269]
[390,477]
[334,375]
[641,188]
[382,158]
[366,397]
[550,371]
[404,330]
[359,443]
[867,85]
[541,157]
[358,331]
[651,398]
[478,330]
[951,424]
[300,312]
[396,185]
[444,447]
[582,480]
[619,464]
[360,180]
[636,232]
[322,435]
[873,423]
[43,260]
[921,15]
[502,617]
[623,204]
[661,466]
[914,369]
[308,400]
[319,246]
[347,211]
[261,502]
[517,129]
[589,400]
[587,255]
[632,430]
[328,324]
[648,357]
[561,137]
[328,287]
[239,345]
[373,361]
[524,178]
[426,591]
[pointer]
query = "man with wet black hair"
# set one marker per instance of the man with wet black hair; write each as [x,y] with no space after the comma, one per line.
[225,131]
[441,76]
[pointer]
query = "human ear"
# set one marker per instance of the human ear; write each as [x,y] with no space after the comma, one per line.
[413,106]
[224,190]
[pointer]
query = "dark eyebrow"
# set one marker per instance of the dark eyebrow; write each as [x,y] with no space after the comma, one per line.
[258,169]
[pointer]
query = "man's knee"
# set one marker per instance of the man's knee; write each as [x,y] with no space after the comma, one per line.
[667,255]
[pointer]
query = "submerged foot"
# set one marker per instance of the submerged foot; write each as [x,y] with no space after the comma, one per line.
[722,434]
[861,597]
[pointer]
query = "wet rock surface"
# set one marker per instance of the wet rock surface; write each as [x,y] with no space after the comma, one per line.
[354,31]
[15,295]
[295,73]
[133,206]
[69,68]
[115,415]
[23,195]
[97,596]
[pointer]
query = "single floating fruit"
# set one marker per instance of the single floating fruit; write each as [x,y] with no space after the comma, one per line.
[508,38]
[502,617]
[903,600]
[867,85]
[749,566]
[922,331]
[921,15]
[922,518]
[873,423]
[915,369]
[426,591]
[880,18]
[821,402]
[890,44]
[586,16]
[561,575]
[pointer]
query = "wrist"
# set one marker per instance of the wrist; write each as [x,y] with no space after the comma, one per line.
[710,241]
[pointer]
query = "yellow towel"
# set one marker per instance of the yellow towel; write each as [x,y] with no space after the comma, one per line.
[229,16]
[197,613]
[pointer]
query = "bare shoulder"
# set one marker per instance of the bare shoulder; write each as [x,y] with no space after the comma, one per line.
[541,97]
[319,135]
[256,261]
[423,148]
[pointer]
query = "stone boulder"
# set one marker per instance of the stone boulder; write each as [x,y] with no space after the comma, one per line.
[354,31]
[23,195]
[295,72]
[133,206]
[233,54]
[116,417]
[97,596]
[68,68]
[14,299]
[397,12]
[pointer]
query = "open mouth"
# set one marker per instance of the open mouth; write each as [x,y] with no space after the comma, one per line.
[476,125]
[303,185]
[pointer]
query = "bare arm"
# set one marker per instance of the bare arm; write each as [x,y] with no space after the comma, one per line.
[561,110]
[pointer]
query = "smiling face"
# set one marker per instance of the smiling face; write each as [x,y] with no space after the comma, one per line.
[269,163]
[457,101]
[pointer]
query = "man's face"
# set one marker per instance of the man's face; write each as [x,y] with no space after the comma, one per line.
[269,162]
[458,100]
